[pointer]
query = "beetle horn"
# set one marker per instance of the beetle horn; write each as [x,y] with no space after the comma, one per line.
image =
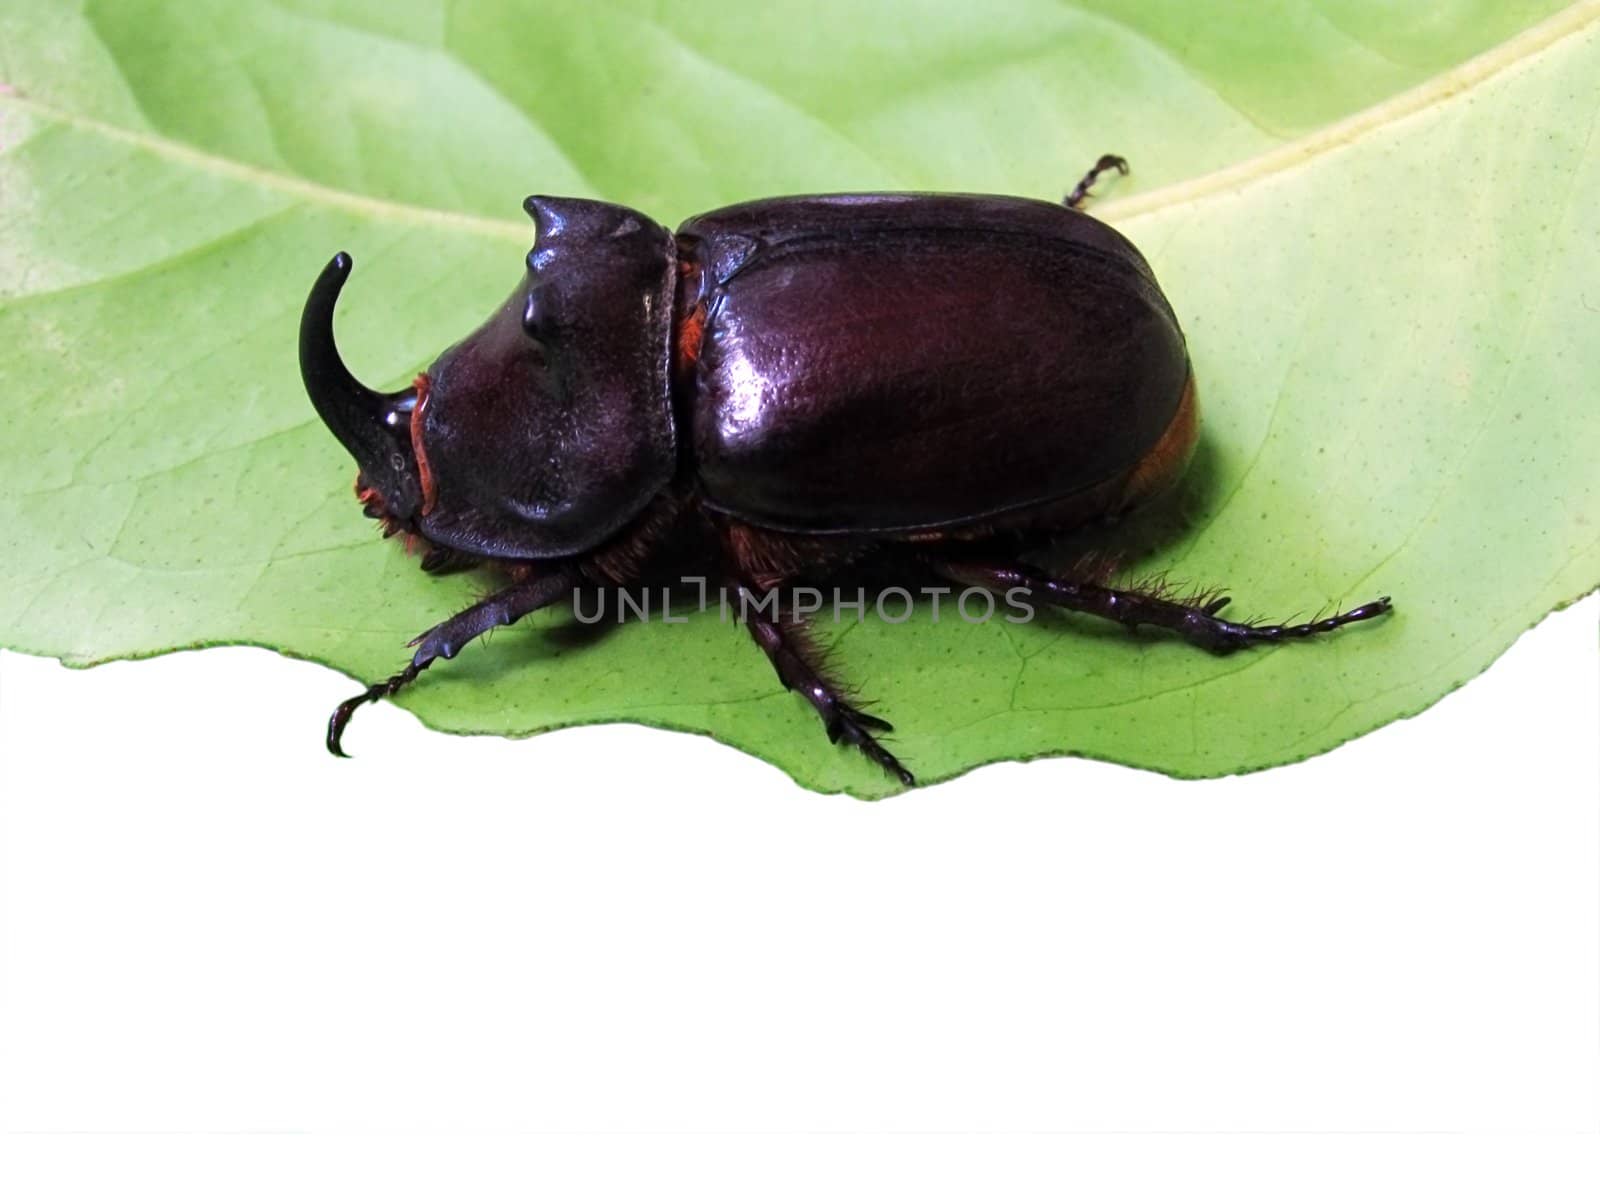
[373,426]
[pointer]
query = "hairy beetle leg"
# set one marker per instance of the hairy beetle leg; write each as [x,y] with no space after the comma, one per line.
[1106,162]
[443,561]
[786,647]
[446,639]
[1196,623]
[505,607]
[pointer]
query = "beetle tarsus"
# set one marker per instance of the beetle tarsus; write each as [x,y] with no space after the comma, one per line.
[793,659]
[1195,623]
[1106,162]
[341,715]
[446,639]
[1226,636]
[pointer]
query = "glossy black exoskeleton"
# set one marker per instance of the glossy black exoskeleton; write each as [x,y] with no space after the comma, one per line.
[790,386]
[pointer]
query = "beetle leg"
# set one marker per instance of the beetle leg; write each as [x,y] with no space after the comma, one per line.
[446,639]
[794,661]
[439,560]
[1197,623]
[1106,162]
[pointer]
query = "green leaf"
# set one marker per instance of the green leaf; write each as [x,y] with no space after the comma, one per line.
[1376,223]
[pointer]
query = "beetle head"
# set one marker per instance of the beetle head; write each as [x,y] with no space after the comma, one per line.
[548,427]
[373,426]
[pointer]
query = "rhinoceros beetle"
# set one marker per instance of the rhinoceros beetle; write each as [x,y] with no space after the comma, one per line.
[789,386]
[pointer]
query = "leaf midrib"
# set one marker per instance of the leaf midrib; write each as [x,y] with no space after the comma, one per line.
[1464,77]
[303,189]
[1447,85]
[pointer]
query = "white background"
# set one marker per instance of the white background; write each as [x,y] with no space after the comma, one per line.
[618,958]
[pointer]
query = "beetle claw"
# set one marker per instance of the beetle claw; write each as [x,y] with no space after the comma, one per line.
[851,724]
[339,718]
[341,715]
